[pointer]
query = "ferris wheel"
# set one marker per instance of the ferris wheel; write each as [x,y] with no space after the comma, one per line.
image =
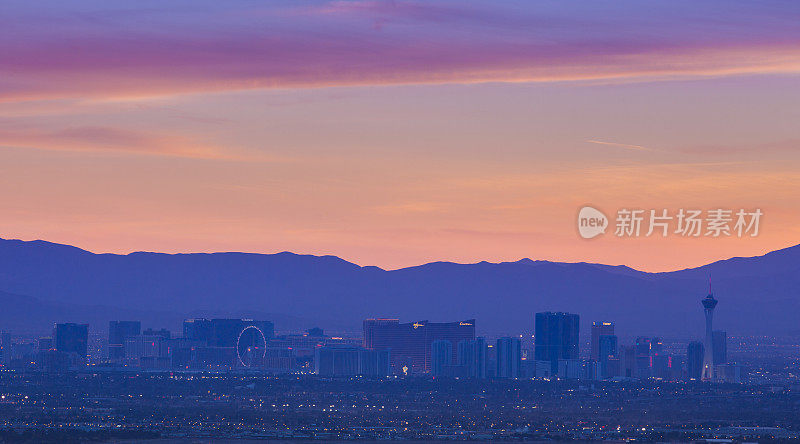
[251,346]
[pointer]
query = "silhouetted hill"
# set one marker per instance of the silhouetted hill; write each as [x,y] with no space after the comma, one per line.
[757,295]
[28,315]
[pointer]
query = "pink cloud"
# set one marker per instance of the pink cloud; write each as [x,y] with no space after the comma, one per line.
[87,49]
[104,139]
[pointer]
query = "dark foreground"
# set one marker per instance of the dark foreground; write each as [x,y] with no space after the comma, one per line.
[81,407]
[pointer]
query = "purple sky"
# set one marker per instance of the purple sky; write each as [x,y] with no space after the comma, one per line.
[80,49]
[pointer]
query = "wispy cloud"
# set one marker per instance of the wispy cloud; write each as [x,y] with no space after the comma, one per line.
[108,139]
[788,145]
[85,48]
[627,146]
[411,207]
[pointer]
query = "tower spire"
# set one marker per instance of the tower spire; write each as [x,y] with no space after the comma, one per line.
[709,303]
[710,289]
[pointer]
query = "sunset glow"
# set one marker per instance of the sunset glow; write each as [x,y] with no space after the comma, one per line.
[395,133]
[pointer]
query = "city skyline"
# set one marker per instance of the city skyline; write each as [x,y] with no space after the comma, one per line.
[386,348]
[412,348]
[399,220]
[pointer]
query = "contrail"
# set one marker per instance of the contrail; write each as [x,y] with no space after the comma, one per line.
[622,145]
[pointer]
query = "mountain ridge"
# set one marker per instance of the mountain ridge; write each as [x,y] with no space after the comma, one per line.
[791,248]
[328,290]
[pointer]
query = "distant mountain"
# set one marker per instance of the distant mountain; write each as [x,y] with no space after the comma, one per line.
[28,315]
[757,295]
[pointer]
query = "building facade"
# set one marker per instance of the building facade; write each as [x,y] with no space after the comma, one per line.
[117,332]
[556,337]
[410,343]
[509,357]
[720,347]
[71,339]
[694,360]
[599,329]
[346,361]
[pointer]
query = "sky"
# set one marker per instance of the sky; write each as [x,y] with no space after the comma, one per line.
[395,133]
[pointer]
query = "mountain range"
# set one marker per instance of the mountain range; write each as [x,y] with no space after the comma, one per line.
[43,282]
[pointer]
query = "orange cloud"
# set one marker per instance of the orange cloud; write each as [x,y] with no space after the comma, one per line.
[106,139]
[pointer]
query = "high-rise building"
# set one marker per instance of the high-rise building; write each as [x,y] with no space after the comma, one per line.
[720,340]
[454,332]
[491,360]
[179,350]
[612,368]
[223,332]
[679,366]
[709,303]
[351,361]
[607,347]
[730,373]
[441,357]
[22,352]
[628,361]
[694,359]
[198,329]
[374,363]
[164,333]
[607,351]
[592,370]
[283,360]
[410,343]
[509,357]
[337,361]
[599,329]
[648,351]
[144,346]
[643,363]
[45,343]
[656,346]
[662,366]
[71,338]
[472,356]
[556,338]
[117,332]
[569,369]
[381,325]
